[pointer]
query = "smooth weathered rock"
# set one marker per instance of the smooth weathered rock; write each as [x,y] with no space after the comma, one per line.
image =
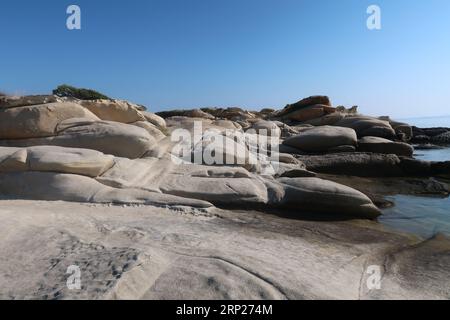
[305,114]
[217,149]
[154,119]
[158,253]
[114,110]
[379,131]
[68,160]
[151,129]
[22,101]
[367,126]
[115,138]
[161,149]
[39,120]
[286,130]
[54,159]
[321,139]
[52,186]
[268,128]
[324,196]
[381,145]
[145,174]
[355,164]
[326,120]
[216,187]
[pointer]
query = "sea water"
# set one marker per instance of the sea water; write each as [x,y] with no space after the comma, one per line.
[428,122]
[423,216]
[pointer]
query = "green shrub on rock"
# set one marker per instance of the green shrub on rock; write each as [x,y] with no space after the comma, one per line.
[79,93]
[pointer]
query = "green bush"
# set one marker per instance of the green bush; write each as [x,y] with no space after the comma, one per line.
[79,93]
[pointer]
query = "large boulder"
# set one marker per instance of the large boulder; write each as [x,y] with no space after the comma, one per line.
[220,190]
[18,101]
[114,110]
[119,139]
[114,138]
[39,120]
[321,139]
[368,126]
[318,195]
[381,145]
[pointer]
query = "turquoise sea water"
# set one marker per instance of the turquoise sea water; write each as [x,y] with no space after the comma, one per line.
[423,216]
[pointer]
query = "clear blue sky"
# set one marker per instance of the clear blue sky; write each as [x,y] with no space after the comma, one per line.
[250,53]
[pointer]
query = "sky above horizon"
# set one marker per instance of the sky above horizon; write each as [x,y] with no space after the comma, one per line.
[170,54]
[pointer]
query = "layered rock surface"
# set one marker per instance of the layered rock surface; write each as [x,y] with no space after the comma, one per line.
[157,253]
